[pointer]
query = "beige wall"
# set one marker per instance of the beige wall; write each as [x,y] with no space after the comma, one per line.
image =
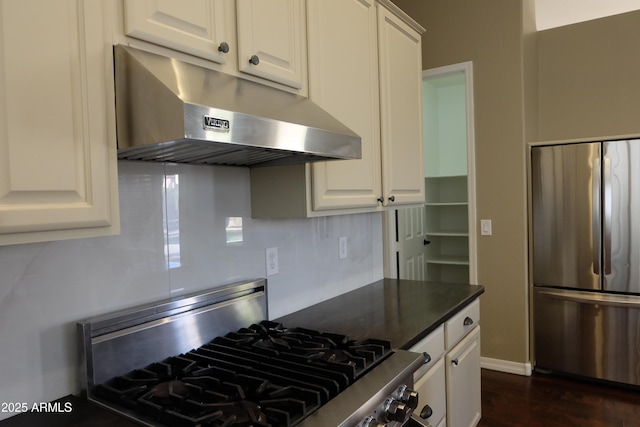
[572,82]
[490,33]
[589,79]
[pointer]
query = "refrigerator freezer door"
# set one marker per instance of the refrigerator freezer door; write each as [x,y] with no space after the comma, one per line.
[566,224]
[590,334]
[621,216]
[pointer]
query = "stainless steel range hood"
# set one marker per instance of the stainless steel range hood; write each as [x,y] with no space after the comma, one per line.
[171,110]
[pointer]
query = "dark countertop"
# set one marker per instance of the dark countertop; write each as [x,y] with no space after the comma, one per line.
[402,311]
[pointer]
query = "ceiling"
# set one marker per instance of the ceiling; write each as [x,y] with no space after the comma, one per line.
[556,13]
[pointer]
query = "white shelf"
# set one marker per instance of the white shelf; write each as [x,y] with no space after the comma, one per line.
[450,260]
[447,177]
[447,233]
[447,204]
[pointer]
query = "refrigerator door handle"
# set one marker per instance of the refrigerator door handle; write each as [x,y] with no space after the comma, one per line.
[607,207]
[592,298]
[595,216]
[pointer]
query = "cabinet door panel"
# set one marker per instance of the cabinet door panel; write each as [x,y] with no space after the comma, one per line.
[274,31]
[431,388]
[197,27]
[401,107]
[57,149]
[463,381]
[343,79]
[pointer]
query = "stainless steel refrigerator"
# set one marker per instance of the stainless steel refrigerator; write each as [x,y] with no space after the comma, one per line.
[586,259]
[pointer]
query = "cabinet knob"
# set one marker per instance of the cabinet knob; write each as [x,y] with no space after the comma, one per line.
[426,412]
[427,358]
[426,242]
[380,199]
[224,47]
[255,60]
[467,321]
[455,361]
[392,198]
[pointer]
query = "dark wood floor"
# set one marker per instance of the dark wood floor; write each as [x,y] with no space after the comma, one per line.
[548,400]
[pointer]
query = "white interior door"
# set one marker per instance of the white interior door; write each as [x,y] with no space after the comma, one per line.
[411,243]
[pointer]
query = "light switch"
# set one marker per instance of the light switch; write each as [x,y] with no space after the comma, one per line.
[485,227]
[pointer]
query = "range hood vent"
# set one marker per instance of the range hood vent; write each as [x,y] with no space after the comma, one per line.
[171,110]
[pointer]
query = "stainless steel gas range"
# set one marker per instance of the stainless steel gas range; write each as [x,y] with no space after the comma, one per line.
[213,360]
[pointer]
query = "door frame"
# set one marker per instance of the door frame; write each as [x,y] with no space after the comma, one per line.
[390,238]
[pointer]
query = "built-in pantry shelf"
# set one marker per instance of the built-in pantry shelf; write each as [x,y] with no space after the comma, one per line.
[447,217]
[447,204]
[448,233]
[451,260]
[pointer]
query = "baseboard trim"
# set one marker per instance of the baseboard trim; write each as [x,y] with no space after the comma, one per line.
[506,366]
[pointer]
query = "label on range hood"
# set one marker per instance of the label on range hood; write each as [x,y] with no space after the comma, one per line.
[215,123]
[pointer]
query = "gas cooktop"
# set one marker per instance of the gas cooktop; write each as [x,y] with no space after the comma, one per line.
[260,375]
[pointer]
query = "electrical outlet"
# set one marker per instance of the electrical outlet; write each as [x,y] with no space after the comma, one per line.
[272,261]
[342,247]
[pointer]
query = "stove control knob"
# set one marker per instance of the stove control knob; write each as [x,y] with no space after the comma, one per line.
[396,411]
[372,422]
[408,397]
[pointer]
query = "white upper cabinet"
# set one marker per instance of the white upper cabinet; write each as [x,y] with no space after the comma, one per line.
[272,40]
[401,110]
[343,79]
[58,168]
[265,38]
[358,52]
[202,28]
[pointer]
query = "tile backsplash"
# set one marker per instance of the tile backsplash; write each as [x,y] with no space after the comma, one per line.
[184,228]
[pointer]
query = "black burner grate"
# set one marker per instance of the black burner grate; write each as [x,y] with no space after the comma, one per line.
[263,375]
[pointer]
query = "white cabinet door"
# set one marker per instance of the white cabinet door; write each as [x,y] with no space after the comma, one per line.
[463,381]
[343,79]
[272,40]
[401,108]
[431,388]
[345,70]
[197,27]
[58,169]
